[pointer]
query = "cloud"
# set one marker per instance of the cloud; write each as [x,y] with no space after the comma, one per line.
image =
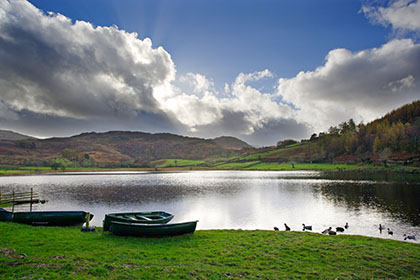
[240,111]
[401,14]
[198,82]
[63,76]
[361,85]
[49,65]
[59,77]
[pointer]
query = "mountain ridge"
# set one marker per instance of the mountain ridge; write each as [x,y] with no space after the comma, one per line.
[115,148]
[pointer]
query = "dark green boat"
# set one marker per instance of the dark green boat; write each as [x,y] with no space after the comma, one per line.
[47,218]
[152,230]
[156,217]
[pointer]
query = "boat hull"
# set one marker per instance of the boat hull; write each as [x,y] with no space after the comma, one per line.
[152,230]
[156,217]
[47,218]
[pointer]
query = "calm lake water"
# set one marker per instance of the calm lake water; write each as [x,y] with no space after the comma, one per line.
[238,199]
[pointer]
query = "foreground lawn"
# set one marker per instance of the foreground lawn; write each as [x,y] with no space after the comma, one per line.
[28,252]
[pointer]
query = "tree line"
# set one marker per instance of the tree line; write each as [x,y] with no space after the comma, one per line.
[397,133]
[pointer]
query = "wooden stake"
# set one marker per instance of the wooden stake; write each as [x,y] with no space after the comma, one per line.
[32,195]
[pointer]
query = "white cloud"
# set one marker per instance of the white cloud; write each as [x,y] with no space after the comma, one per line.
[55,72]
[362,85]
[401,14]
[250,108]
[49,65]
[198,82]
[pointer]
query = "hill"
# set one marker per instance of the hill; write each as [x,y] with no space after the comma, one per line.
[231,142]
[114,149]
[394,138]
[10,135]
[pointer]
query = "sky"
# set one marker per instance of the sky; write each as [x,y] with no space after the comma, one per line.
[259,70]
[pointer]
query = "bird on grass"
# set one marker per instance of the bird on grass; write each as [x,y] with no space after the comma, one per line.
[326,230]
[331,232]
[276,228]
[286,227]
[306,227]
[412,237]
[339,229]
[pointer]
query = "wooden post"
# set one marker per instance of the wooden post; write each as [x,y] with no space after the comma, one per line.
[13,201]
[87,220]
[32,195]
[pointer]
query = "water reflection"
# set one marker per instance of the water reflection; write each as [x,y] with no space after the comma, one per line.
[401,201]
[237,199]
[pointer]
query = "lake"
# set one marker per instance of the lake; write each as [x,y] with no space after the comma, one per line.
[238,199]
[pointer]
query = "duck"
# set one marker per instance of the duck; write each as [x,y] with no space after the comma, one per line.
[326,230]
[331,232]
[339,229]
[306,227]
[347,225]
[390,232]
[276,228]
[412,237]
[286,227]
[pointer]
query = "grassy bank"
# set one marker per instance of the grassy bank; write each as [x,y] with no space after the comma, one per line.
[38,252]
[183,165]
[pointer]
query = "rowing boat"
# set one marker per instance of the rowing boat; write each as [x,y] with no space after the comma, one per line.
[152,230]
[47,218]
[156,217]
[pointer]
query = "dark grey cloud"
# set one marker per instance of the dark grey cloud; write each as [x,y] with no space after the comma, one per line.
[267,134]
[43,125]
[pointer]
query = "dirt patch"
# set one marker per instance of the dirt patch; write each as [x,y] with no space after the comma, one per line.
[10,253]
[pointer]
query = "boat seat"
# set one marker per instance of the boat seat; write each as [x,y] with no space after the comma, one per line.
[144,218]
[130,217]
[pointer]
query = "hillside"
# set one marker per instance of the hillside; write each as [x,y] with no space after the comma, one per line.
[394,138]
[231,142]
[10,135]
[114,149]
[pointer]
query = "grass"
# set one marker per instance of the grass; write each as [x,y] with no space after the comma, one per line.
[176,163]
[236,165]
[302,166]
[182,164]
[28,252]
[267,153]
[14,171]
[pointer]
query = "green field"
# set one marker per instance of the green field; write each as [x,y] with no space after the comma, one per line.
[176,163]
[236,165]
[263,154]
[302,166]
[15,171]
[28,252]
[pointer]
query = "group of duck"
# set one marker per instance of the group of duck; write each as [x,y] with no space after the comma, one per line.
[390,232]
[330,231]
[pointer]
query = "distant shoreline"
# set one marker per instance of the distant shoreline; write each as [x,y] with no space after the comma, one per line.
[305,167]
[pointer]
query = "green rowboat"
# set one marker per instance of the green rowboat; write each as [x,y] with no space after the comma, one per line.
[46,218]
[156,217]
[152,230]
